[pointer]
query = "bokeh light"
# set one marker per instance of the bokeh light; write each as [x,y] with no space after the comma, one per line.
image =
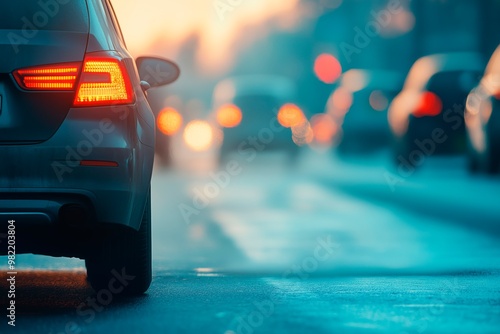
[378,101]
[198,135]
[290,115]
[327,68]
[229,116]
[169,121]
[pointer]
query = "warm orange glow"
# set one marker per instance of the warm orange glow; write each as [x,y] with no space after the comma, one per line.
[104,81]
[324,129]
[354,80]
[341,101]
[169,121]
[327,68]
[229,116]
[378,101]
[220,27]
[52,77]
[290,115]
[430,105]
[198,135]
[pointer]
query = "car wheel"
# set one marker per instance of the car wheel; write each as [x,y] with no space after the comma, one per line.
[472,163]
[488,161]
[491,163]
[121,264]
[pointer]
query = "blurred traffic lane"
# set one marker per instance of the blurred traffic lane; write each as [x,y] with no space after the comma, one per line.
[464,303]
[277,241]
[269,216]
[441,189]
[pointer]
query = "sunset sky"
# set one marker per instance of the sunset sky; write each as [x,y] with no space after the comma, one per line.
[217,22]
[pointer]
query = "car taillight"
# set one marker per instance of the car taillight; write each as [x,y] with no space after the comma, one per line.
[104,81]
[430,105]
[290,116]
[229,116]
[48,77]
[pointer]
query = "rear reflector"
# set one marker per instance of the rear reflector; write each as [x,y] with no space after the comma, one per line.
[50,77]
[104,81]
[98,163]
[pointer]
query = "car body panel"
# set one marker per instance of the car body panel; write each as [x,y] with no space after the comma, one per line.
[449,76]
[42,173]
[483,118]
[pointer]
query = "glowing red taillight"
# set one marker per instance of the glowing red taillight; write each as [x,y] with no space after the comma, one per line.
[430,105]
[58,77]
[104,81]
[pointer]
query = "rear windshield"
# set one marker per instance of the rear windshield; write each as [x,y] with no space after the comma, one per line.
[33,15]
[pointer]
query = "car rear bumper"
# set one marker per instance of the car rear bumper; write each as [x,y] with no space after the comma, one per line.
[46,184]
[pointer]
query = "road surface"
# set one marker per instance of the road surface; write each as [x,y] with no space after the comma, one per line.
[327,246]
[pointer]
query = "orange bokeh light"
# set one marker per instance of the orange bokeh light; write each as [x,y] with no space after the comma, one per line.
[327,68]
[290,115]
[169,121]
[325,129]
[229,116]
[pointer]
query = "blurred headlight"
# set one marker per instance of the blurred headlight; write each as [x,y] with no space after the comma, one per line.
[198,135]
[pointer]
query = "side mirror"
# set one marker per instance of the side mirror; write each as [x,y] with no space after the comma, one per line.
[156,72]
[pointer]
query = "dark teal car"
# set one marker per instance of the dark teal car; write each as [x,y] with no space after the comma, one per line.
[77,137]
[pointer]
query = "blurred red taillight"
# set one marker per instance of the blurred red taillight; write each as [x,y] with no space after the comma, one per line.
[430,105]
[58,77]
[104,81]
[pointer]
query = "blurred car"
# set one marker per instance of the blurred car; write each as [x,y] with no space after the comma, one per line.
[358,108]
[257,113]
[482,120]
[169,120]
[427,117]
[77,141]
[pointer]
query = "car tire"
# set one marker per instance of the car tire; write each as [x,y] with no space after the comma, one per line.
[121,264]
[491,164]
[473,164]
